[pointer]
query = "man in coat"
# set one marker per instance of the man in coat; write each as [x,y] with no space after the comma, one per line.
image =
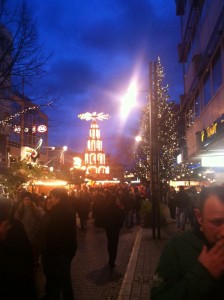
[192,264]
[112,222]
[59,246]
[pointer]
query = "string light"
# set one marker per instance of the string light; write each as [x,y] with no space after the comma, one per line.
[7,120]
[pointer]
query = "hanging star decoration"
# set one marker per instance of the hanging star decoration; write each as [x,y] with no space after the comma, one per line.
[93,116]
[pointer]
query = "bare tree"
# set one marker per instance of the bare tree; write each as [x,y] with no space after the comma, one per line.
[21,56]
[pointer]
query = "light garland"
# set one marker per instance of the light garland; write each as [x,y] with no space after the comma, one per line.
[18,114]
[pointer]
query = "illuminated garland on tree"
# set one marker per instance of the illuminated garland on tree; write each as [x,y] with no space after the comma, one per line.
[168,138]
[142,153]
[168,116]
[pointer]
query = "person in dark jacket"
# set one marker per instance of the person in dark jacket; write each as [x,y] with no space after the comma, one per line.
[83,207]
[58,246]
[113,221]
[192,264]
[17,279]
[182,205]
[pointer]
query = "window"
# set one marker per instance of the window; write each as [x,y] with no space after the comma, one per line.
[217,72]
[207,90]
[197,106]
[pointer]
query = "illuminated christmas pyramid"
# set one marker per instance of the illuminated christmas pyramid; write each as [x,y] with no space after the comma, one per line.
[94,157]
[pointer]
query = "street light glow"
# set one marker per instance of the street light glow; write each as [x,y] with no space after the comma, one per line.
[129,100]
[138,138]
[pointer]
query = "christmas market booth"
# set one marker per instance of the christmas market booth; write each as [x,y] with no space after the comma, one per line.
[45,186]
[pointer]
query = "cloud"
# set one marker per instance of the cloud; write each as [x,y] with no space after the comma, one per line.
[98,47]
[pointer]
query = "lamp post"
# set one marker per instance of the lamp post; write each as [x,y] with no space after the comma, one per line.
[62,155]
[127,103]
[154,147]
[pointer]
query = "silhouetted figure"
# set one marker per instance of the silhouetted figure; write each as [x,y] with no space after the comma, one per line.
[112,222]
[182,205]
[29,215]
[171,201]
[16,259]
[98,202]
[193,203]
[83,207]
[58,246]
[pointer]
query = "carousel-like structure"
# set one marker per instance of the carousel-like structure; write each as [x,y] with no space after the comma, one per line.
[94,156]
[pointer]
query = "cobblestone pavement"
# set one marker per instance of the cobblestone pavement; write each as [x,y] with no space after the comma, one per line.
[90,273]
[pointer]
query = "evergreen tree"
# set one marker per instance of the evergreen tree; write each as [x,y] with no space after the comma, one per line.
[168,117]
[142,152]
[168,137]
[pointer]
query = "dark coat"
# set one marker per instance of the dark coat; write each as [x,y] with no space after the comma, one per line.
[16,265]
[113,218]
[59,232]
[182,199]
[179,274]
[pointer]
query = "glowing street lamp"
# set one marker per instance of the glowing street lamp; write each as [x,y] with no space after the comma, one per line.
[138,138]
[129,100]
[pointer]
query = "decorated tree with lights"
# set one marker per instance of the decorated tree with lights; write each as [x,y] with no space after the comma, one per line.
[142,151]
[168,118]
[168,137]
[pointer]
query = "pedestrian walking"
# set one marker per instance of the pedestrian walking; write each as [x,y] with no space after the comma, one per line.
[83,207]
[171,201]
[138,203]
[193,203]
[113,221]
[29,215]
[182,205]
[192,264]
[59,245]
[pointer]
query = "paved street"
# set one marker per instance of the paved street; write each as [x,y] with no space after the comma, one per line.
[138,255]
[90,273]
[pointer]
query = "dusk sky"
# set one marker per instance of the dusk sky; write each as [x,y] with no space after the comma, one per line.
[98,47]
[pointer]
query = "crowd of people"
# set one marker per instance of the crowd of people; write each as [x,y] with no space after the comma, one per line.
[41,230]
[181,204]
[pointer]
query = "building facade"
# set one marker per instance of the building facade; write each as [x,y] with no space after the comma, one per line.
[201,53]
[24,128]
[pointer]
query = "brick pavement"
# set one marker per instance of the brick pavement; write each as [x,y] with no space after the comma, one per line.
[90,272]
[138,255]
[143,261]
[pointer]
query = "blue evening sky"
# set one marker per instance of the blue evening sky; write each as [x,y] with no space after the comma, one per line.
[98,47]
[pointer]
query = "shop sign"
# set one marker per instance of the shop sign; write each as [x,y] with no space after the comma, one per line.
[40,128]
[211,133]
